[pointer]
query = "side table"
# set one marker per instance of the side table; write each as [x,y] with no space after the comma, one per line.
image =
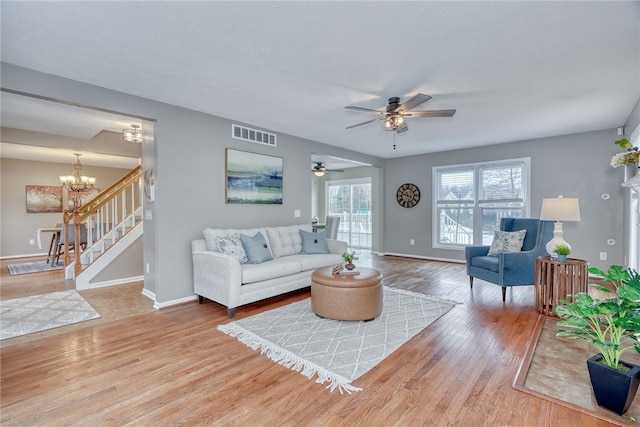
[554,281]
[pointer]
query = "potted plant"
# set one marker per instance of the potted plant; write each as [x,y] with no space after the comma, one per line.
[349,257]
[612,325]
[562,251]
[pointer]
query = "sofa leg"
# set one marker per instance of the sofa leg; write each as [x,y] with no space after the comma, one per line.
[231,312]
[504,294]
[471,281]
[200,299]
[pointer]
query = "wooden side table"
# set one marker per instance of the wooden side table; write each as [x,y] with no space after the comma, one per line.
[554,281]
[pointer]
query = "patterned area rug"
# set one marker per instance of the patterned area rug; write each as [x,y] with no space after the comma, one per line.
[33,267]
[336,351]
[21,316]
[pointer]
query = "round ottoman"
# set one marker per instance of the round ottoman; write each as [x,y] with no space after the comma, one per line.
[347,297]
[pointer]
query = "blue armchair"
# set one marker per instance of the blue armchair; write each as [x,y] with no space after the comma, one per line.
[512,268]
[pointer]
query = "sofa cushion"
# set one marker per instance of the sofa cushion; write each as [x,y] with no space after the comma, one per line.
[314,261]
[507,241]
[485,262]
[232,246]
[278,267]
[285,240]
[314,243]
[210,234]
[256,248]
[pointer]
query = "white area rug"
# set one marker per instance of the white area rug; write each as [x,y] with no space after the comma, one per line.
[336,351]
[33,267]
[21,316]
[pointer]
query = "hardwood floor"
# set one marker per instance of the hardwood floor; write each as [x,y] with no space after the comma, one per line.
[173,366]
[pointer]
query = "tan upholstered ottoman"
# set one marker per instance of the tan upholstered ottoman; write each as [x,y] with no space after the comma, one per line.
[347,297]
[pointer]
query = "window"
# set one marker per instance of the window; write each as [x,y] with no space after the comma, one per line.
[470,200]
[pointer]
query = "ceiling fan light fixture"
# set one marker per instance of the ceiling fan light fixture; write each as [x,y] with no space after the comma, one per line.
[132,135]
[319,172]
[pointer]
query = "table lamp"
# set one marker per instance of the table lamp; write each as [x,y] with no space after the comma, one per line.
[559,209]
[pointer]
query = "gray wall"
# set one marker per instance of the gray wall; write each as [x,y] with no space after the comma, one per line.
[188,154]
[126,265]
[570,165]
[18,226]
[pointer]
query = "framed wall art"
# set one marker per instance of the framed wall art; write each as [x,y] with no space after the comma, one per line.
[253,178]
[44,199]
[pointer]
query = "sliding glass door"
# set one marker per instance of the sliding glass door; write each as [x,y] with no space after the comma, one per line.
[351,201]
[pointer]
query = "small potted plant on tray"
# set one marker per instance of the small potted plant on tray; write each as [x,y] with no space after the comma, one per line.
[349,257]
[562,251]
[612,326]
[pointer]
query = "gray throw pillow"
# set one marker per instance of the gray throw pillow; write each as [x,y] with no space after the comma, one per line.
[314,243]
[256,248]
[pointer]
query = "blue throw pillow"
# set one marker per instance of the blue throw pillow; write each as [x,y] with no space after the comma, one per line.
[314,243]
[256,248]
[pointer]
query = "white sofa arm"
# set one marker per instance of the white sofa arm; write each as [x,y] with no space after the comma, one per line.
[217,277]
[337,246]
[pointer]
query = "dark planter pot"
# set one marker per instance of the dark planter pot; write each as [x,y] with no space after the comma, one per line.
[614,390]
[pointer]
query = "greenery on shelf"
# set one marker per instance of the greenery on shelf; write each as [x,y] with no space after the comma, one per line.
[349,257]
[631,155]
[562,250]
[611,324]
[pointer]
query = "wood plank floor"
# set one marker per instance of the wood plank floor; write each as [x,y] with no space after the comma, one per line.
[172,367]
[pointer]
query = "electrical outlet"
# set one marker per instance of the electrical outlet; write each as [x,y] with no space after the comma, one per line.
[412,242]
[32,242]
[603,256]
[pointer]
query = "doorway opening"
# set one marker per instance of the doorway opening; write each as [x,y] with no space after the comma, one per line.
[351,201]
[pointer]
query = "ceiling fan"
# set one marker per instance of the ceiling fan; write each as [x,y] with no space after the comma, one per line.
[319,169]
[394,115]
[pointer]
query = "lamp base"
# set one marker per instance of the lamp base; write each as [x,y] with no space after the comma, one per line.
[557,240]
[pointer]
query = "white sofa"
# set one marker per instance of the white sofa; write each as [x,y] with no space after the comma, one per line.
[224,279]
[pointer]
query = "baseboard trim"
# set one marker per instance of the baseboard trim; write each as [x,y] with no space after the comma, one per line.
[115,282]
[426,258]
[151,295]
[23,256]
[158,305]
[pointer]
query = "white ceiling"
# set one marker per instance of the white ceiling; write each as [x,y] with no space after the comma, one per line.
[513,70]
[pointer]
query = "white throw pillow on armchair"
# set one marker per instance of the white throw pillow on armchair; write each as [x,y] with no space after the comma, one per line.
[507,241]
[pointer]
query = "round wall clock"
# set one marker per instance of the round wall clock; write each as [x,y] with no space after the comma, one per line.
[408,195]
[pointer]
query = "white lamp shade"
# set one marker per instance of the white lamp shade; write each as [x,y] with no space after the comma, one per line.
[560,209]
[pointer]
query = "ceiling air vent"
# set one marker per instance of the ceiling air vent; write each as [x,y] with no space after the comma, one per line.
[253,135]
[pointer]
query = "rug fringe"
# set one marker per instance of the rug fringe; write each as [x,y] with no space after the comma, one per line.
[288,359]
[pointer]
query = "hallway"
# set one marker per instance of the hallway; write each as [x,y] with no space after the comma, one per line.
[112,302]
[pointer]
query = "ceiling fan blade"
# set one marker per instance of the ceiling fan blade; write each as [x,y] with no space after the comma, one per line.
[364,123]
[335,170]
[414,101]
[353,107]
[431,113]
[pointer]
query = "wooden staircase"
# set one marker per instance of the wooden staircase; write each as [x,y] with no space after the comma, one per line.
[113,221]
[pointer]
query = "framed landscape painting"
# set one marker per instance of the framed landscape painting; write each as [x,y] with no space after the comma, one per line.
[253,178]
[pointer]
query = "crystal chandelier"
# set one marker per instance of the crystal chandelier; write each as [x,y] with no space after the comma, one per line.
[77,183]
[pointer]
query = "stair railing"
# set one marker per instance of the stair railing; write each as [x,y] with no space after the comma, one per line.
[106,217]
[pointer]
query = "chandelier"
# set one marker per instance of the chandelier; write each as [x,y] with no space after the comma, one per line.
[77,183]
[132,135]
[395,123]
